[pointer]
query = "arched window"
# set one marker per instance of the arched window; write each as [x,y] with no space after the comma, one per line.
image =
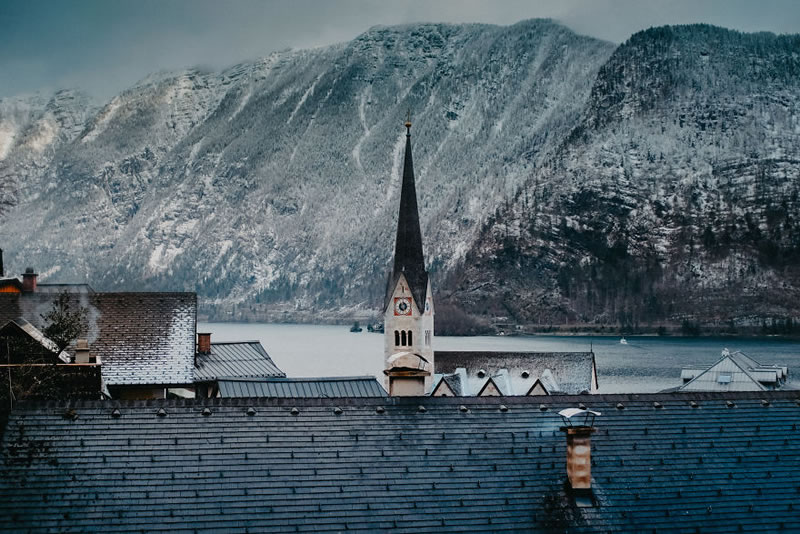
[410,342]
[403,337]
[396,338]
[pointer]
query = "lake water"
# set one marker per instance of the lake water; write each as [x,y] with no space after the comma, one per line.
[645,364]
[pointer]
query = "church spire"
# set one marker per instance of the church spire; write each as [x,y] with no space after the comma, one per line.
[408,257]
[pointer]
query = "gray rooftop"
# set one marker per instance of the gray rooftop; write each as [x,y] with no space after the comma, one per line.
[698,462]
[238,359]
[140,338]
[345,386]
[573,372]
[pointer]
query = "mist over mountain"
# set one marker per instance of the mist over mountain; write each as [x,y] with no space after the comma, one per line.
[560,178]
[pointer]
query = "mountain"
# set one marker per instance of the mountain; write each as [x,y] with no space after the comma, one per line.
[274,184]
[675,197]
[560,178]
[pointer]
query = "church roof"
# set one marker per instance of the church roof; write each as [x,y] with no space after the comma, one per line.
[408,256]
[685,462]
[516,372]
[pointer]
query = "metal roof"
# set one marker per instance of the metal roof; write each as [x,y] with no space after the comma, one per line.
[346,386]
[239,359]
[707,462]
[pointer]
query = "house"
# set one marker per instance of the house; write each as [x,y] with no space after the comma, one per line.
[34,367]
[680,462]
[734,371]
[295,388]
[476,373]
[144,341]
[229,360]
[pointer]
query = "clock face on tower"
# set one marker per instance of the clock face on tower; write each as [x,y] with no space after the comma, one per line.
[402,306]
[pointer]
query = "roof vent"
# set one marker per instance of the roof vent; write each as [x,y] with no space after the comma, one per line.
[380,409]
[115,413]
[481,373]
[422,409]
[251,411]
[161,412]
[582,406]
[206,412]
[463,408]
[525,374]
[542,407]
[730,404]
[657,405]
[503,408]
[693,404]
[294,411]
[620,406]
[337,411]
[764,402]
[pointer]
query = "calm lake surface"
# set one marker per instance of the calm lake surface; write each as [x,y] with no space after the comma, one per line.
[645,364]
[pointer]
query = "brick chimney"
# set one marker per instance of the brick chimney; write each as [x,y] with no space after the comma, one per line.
[29,281]
[204,342]
[579,446]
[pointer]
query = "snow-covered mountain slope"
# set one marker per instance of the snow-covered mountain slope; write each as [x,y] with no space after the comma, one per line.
[274,184]
[675,196]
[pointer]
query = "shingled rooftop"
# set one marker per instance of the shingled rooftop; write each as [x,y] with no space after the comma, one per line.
[140,338]
[681,462]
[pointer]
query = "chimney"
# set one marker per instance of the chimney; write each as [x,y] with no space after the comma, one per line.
[579,447]
[82,351]
[204,342]
[29,280]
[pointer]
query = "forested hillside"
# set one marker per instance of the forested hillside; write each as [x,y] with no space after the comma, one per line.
[561,178]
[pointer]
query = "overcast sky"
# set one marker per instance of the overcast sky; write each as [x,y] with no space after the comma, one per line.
[104,46]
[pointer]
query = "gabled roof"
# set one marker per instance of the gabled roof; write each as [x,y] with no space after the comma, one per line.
[22,327]
[490,388]
[408,256]
[573,372]
[691,462]
[345,386]
[140,338]
[237,359]
[725,375]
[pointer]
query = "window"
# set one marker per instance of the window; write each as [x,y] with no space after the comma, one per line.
[396,338]
[410,342]
[403,338]
[427,338]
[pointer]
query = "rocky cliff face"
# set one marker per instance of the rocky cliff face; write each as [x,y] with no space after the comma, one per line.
[559,177]
[674,197]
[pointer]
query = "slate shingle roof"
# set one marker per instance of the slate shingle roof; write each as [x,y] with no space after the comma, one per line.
[661,462]
[236,359]
[140,338]
[344,386]
[574,372]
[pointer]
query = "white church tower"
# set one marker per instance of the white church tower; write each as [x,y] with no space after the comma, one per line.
[408,306]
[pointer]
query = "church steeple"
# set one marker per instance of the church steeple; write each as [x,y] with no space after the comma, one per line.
[408,257]
[408,308]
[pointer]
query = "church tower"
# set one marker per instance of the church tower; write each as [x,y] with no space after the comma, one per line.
[408,306]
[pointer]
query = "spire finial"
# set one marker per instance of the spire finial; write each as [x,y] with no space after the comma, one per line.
[408,122]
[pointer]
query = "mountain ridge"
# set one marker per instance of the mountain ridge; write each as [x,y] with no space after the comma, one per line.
[249,184]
